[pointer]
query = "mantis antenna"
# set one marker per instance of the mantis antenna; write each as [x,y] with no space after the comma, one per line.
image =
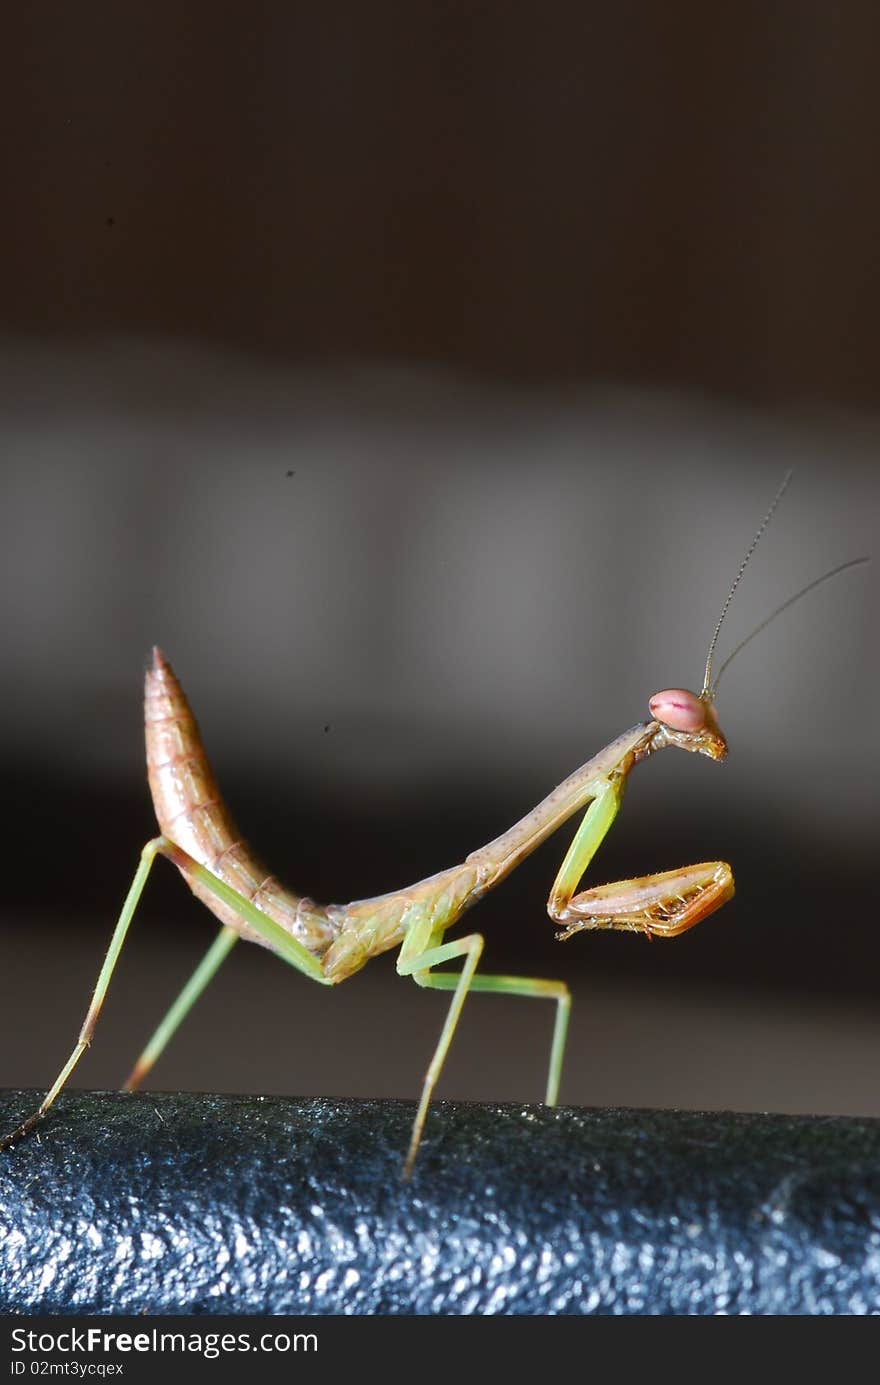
[707,689]
[682,711]
[816,582]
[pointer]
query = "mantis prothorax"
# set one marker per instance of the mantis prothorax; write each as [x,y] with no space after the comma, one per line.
[330,943]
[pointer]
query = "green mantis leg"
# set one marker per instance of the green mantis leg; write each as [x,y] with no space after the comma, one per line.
[287,947]
[660,905]
[596,822]
[417,960]
[471,947]
[170,1023]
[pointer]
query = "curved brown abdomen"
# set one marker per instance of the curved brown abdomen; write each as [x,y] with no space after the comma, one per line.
[191,814]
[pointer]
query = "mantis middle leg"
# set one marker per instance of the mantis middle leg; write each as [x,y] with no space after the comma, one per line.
[418,963]
[418,958]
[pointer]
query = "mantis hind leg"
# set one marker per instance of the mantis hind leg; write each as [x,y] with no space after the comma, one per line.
[287,947]
[148,856]
[471,947]
[171,1022]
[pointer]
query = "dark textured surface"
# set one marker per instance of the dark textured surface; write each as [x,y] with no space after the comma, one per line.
[206,1204]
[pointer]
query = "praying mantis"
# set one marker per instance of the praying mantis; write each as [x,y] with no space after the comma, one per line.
[329,943]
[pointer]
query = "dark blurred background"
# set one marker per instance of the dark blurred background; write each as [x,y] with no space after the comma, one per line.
[417,377]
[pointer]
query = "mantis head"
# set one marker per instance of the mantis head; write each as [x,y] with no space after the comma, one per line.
[688,721]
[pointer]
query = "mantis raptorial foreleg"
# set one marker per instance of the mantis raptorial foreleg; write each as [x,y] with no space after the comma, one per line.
[663,904]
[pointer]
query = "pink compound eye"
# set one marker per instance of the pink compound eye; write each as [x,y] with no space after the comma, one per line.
[678,708]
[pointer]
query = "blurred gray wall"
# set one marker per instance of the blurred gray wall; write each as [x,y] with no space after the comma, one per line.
[417,379]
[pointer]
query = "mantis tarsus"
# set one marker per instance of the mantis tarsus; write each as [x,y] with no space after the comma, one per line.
[330,943]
